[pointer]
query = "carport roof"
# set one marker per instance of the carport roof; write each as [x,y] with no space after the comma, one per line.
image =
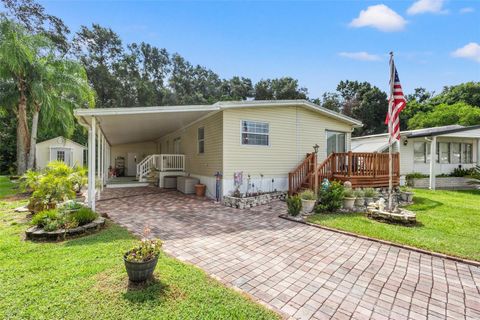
[137,124]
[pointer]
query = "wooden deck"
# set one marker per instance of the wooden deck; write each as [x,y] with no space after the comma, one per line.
[362,169]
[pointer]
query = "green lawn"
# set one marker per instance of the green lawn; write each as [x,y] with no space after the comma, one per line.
[6,187]
[85,279]
[448,222]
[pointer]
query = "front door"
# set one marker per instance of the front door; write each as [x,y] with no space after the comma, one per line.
[132,160]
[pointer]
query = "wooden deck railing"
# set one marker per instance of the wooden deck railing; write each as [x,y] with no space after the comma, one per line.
[362,169]
[301,173]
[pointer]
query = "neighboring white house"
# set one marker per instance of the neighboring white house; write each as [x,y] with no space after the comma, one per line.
[61,149]
[263,139]
[454,146]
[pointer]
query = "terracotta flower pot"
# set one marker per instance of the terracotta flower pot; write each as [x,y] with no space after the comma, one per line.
[200,190]
[140,271]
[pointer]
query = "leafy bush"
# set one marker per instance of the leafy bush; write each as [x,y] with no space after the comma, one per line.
[70,205]
[294,205]
[358,193]
[348,193]
[51,186]
[330,198]
[307,195]
[416,175]
[370,193]
[146,251]
[41,218]
[83,216]
[460,172]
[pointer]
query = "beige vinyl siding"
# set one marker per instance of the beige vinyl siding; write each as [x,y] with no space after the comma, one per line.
[208,163]
[293,132]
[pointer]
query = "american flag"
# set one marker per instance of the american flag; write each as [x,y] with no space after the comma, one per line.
[396,103]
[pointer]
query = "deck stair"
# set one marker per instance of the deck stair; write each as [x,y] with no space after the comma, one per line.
[151,165]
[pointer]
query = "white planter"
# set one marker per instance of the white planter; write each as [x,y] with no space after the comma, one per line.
[307,206]
[359,202]
[348,203]
[407,196]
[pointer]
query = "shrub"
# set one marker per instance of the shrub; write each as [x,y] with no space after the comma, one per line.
[41,218]
[71,205]
[51,186]
[358,193]
[294,205]
[83,216]
[460,172]
[145,251]
[330,198]
[348,193]
[370,193]
[307,195]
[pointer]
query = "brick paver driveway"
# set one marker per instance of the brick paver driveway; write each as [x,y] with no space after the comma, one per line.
[302,271]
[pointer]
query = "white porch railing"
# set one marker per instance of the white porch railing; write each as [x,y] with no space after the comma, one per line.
[162,162]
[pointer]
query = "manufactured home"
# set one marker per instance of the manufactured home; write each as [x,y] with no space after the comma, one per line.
[275,145]
[454,146]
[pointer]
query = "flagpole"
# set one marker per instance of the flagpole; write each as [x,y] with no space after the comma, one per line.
[390,130]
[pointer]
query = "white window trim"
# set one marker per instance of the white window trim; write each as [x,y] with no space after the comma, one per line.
[265,134]
[200,140]
[336,145]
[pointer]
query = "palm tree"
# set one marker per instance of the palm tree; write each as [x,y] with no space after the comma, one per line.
[57,87]
[18,51]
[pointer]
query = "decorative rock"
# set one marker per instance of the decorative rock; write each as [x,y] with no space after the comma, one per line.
[22,209]
[249,202]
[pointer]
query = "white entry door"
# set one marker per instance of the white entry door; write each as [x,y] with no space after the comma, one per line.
[132,160]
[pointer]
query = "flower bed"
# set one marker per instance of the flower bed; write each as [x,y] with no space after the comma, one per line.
[248,202]
[39,234]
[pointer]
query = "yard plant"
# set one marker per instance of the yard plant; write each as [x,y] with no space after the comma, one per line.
[447,222]
[294,205]
[330,197]
[63,218]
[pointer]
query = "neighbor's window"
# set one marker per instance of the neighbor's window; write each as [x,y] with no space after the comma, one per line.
[335,142]
[444,151]
[467,153]
[419,152]
[255,133]
[61,155]
[455,148]
[201,140]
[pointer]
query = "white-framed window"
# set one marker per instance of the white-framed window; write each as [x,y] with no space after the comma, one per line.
[443,151]
[467,152]
[201,140]
[336,141]
[177,143]
[61,155]
[255,133]
[455,149]
[419,152]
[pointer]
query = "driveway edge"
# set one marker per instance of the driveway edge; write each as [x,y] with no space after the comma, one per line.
[431,253]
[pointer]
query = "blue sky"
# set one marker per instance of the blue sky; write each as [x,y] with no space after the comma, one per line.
[436,42]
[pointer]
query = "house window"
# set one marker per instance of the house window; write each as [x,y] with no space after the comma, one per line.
[444,152]
[255,133]
[61,155]
[419,152]
[335,142]
[201,140]
[177,142]
[455,148]
[467,153]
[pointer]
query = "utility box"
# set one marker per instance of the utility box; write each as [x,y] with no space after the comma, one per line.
[170,182]
[187,184]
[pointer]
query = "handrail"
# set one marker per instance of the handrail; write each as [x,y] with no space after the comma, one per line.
[162,162]
[301,173]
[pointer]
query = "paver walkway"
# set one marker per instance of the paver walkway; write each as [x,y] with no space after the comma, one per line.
[305,272]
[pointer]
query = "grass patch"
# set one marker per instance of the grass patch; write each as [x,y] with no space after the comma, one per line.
[85,278]
[448,222]
[7,187]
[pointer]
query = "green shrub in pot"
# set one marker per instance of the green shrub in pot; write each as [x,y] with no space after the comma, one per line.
[359,200]
[308,199]
[348,199]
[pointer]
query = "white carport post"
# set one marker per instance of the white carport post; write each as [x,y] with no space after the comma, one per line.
[433,161]
[91,163]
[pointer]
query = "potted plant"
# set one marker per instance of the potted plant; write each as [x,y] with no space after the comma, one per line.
[369,194]
[348,199]
[294,206]
[406,194]
[200,190]
[308,199]
[141,260]
[359,201]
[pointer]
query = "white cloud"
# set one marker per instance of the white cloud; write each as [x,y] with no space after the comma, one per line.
[424,6]
[380,17]
[361,55]
[469,51]
[467,10]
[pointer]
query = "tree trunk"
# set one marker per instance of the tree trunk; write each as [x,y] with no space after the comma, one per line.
[33,138]
[22,133]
